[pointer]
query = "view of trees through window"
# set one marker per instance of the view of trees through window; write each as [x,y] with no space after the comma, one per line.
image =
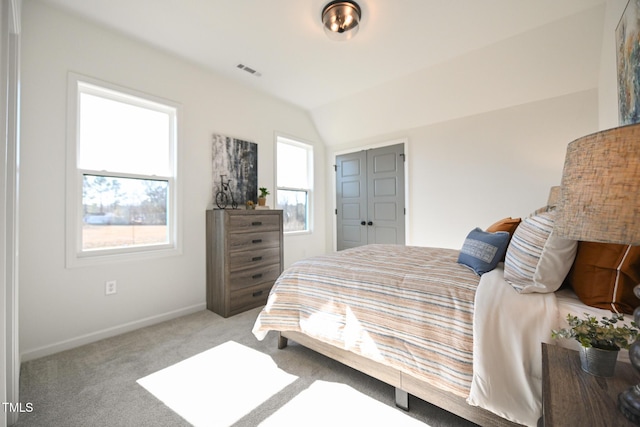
[294,182]
[294,206]
[121,212]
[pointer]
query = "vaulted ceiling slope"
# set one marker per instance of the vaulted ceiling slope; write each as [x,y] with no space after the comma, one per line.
[413,63]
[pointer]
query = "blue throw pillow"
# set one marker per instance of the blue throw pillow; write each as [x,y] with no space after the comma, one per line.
[482,251]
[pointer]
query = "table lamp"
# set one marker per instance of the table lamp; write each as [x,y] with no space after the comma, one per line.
[554,197]
[600,202]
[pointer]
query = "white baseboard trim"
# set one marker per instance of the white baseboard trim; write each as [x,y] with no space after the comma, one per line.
[107,333]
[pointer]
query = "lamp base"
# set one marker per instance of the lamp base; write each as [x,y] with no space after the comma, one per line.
[629,403]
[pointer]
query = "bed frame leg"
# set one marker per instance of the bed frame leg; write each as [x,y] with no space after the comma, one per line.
[402,399]
[282,341]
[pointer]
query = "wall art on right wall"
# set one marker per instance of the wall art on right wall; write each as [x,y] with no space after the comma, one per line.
[628,62]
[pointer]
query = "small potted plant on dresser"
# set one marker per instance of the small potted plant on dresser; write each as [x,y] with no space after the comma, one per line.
[600,341]
[262,198]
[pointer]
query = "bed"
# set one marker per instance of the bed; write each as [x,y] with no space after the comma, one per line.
[421,321]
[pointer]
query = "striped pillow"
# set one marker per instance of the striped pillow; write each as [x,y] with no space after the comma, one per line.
[536,259]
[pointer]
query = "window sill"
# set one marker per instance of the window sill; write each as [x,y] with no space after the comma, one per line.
[75,261]
[297,233]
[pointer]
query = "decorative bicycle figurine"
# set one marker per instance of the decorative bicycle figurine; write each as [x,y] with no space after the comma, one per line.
[224,194]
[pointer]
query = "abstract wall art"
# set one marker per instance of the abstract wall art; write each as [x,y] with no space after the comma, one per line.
[628,64]
[235,162]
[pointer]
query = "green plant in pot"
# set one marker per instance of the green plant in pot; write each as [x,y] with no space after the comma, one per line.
[262,198]
[600,341]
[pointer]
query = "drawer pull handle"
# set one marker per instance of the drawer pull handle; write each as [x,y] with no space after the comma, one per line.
[257,293]
[256,223]
[256,241]
[256,276]
[256,258]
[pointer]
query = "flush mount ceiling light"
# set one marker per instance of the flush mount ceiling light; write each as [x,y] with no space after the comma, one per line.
[341,19]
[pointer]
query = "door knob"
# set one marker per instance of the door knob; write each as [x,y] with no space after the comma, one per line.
[363,223]
[370,223]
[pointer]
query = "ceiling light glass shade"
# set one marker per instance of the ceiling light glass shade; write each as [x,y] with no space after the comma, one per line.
[341,20]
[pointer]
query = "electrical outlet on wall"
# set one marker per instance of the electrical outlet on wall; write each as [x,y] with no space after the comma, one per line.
[110,287]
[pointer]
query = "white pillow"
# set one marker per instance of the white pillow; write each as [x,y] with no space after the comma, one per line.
[536,259]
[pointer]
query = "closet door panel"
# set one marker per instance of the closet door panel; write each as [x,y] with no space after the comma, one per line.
[370,197]
[351,200]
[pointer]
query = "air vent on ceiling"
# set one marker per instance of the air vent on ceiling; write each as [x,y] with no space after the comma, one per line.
[249,70]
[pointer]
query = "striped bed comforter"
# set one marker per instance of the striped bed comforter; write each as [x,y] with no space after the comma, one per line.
[407,307]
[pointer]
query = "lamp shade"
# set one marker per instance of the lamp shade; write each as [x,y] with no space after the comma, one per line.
[554,196]
[341,20]
[600,194]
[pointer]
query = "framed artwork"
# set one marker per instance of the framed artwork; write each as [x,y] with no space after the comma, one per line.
[235,172]
[628,64]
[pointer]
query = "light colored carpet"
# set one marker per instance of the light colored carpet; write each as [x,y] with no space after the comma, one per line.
[205,370]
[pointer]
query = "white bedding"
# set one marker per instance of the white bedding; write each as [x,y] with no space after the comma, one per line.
[507,353]
[507,332]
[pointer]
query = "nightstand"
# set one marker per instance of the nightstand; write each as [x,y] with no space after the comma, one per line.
[571,397]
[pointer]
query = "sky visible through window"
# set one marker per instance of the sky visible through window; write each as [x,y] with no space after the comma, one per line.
[133,139]
[292,166]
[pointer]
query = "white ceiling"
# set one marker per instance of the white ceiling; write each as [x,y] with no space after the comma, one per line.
[284,40]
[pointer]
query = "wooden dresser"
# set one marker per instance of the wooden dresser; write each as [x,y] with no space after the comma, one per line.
[244,258]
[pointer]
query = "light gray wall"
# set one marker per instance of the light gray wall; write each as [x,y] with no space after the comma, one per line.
[608,83]
[473,171]
[487,132]
[63,307]
[557,59]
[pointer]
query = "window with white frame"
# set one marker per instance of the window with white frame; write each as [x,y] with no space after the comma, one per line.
[122,182]
[294,183]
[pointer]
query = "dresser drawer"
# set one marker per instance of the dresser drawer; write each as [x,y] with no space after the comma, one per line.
[253,223]
[254,241]
[243,260]
[253,276]
[249,298]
